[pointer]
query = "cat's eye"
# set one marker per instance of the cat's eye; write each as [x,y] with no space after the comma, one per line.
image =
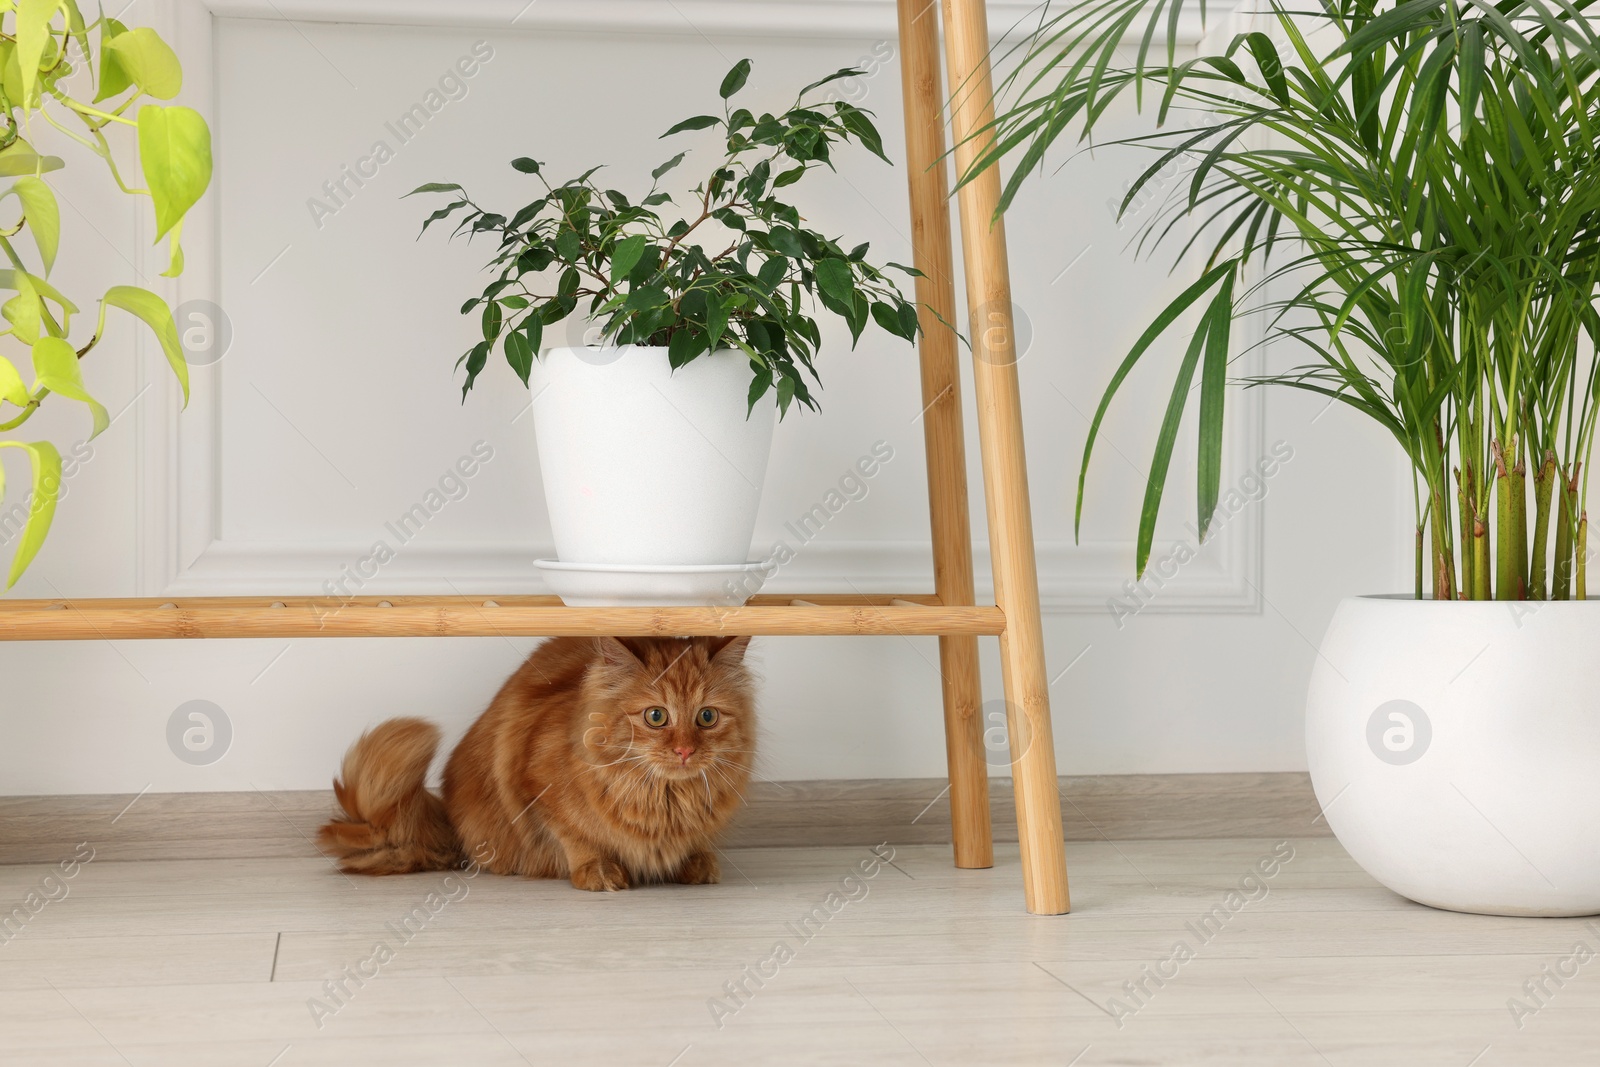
[655,717]
[707,717]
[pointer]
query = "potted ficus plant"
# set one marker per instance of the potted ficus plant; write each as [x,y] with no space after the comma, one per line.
[91,82]
[653,436]
[1416,187]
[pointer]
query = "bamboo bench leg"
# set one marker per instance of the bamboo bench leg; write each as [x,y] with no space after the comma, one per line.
[1005,474]
[941,425]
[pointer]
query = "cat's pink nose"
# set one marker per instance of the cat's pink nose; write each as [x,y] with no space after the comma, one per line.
[684,752]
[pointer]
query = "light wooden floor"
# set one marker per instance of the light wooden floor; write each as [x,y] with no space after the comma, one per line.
[213,963]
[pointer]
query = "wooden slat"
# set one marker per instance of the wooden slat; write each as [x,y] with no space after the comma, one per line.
[457,616]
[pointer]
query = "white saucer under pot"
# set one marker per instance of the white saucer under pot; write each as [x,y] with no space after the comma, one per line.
[619,585]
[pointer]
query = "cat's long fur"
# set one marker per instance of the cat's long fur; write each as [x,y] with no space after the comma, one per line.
[563,777]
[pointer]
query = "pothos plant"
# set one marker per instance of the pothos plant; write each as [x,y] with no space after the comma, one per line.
[87,82]
[738,268]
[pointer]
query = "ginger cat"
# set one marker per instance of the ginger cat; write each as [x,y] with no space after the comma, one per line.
[607,761]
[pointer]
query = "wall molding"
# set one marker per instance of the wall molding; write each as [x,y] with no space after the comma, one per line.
[1072,579]
[809,18]
[180,548]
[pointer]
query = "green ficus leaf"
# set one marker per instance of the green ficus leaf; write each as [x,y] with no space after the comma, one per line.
[782,239]
[46,463]
[646,296]
[526,165]
[772,272]
[684,346]
[668,165]
[519,353]
[760,382]
[734,80]
[699,122]
[625,256]
[843,72]
[716,321]
[477,356]
[856,121]
[836,279]
[434,187]
[786,388]
[442,213]
[568,245]
[175,154]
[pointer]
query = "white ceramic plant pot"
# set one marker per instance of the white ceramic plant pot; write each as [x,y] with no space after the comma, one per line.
[645,465]
[1455,749]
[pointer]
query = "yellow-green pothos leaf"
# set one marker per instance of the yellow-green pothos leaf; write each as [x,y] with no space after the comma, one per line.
[114,79]
[147,61]
[45,291]
[39,207]
[24,309]
[11,388]
[175,257]
[155,313]
[175,154]
[33,39]
[55,364]
[41,508]
[19,158]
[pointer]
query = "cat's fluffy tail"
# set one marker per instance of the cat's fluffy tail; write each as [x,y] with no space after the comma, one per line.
[391,823]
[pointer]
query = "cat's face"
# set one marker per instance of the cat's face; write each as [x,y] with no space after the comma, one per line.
[676,708]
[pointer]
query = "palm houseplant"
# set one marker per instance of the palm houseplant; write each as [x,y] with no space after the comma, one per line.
[700,312]
[93,83]
[1409,193]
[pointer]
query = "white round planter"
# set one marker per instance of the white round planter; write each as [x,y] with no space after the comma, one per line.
[1455,749]
[646,465]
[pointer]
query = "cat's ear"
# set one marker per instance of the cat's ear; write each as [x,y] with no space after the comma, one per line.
[729,651]
[615,653]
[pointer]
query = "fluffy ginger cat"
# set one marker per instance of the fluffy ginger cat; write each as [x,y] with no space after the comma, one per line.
[607,761]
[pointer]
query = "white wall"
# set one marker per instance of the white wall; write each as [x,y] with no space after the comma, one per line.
[335,410]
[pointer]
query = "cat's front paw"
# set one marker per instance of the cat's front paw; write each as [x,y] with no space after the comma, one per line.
[700,869]
[600,875]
